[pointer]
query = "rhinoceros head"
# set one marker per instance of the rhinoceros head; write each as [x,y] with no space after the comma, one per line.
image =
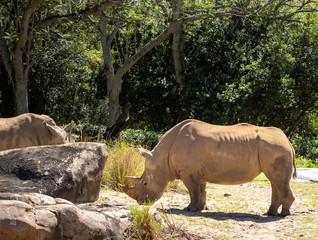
[59,135]
[150,186]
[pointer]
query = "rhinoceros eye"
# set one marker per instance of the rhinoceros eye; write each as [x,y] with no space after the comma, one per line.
[145,183]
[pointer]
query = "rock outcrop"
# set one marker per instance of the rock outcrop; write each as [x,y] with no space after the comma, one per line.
[70,171]
[38,217]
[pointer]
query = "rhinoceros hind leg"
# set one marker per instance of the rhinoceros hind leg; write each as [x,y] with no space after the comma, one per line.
[281,195]
[279,174]
[287,200]
[275,203]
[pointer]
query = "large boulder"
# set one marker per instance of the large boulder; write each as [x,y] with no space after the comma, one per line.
[42,217]
[70,171]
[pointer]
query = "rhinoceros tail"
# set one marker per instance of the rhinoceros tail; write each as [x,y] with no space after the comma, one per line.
[294,161]
[295,172]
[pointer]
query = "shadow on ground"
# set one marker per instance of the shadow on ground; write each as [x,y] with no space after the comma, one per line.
[222,216]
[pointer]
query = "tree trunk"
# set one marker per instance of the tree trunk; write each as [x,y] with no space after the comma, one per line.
[178,43]
[114,83]
[21,95]
[114,106]
[20,83]
[114,79]
[16,61]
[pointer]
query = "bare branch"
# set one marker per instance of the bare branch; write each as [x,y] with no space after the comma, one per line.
[302,8]
[61,19]
[163,36]
[114,32]
[25,25]
[279,4]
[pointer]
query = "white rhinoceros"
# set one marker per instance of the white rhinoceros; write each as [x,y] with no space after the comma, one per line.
[30,129]
[197,152]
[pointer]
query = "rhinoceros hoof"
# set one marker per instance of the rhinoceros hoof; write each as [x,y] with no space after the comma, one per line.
[192,209]
[272,211]
[284,213]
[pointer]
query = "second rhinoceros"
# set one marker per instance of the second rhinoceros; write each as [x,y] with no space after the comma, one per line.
[31,129]
[197,152]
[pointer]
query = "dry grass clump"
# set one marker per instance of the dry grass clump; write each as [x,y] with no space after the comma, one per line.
[123,160]
[143,225]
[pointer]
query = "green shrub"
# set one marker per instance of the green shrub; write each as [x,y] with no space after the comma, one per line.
[123,160]
[306,150]
[143,226]
[145,138]
[302,162]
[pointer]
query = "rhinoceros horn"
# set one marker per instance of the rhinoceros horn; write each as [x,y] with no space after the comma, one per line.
[131,192]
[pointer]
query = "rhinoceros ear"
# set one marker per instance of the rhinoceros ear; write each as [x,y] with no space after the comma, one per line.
[145,153]
[50,128]
[69,127]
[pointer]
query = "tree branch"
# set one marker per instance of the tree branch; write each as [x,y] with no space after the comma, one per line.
[61,19]
[164,35]
[25,26]
[135,58]
[297,9]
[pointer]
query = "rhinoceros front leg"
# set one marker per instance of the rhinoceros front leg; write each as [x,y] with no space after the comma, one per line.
[196,190]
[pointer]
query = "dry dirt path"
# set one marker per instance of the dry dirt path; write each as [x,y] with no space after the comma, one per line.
[236,212]
[310,174]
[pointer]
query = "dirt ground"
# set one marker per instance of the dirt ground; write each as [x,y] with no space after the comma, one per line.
[235,212]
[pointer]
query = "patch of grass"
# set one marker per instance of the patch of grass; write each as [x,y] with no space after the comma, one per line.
[261,180]
[123,160]
[309,191]
[143,225]
[221,238]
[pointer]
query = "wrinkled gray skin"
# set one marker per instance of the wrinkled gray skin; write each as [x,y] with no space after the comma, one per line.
[198,152]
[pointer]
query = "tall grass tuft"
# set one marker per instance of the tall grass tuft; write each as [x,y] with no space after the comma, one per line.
[123,160]
[143,225]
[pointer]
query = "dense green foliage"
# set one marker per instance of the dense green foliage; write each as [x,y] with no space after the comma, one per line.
[237,69]
[147,139]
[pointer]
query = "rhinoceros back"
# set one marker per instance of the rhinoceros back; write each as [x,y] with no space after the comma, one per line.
[226,154]
[25,130]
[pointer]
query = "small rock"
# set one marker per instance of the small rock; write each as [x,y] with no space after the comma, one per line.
[62,201]
[227,194]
